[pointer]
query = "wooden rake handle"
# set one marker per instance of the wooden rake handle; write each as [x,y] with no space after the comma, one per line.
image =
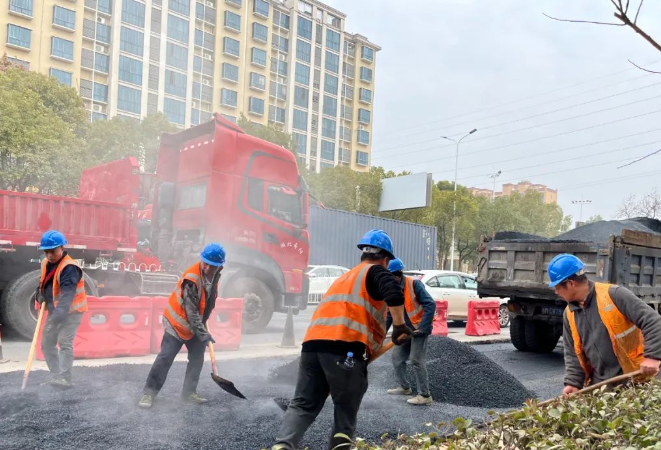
[33,347]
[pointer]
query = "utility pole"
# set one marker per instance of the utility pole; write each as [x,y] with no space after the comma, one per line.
[581,202]
[454,202]
[493,192]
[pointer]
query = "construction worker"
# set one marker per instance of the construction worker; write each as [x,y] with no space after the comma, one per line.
[62,290]
[419,308]
[608,331]
[185,319]
[348,326]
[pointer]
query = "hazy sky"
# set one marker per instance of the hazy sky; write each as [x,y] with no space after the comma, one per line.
[534,88]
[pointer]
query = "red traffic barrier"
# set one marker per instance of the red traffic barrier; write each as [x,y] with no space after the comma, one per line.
[113,326]
[440,318]
[225,324]
[483,318]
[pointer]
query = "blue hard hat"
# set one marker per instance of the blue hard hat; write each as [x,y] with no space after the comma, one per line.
[396,265]
[52,239]
[377,239]
[562,267]
[213,254]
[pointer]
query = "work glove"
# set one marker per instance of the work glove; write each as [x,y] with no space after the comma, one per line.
[400,331]
[208,339]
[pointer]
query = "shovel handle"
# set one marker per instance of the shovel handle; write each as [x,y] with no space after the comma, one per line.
[33,347]
[214,369]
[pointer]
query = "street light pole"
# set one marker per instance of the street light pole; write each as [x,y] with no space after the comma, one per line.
[493,192]
[454,202]
[581,202]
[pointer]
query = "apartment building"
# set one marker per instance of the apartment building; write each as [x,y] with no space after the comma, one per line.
[290,63]
[549,195]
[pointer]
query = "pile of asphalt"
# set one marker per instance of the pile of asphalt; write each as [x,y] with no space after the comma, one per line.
[601,231]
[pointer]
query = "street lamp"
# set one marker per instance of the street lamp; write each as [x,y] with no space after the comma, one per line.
[494,176]
[581,202]
[454,202]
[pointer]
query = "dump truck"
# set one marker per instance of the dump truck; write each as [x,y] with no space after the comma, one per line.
[134,233]
[626,253]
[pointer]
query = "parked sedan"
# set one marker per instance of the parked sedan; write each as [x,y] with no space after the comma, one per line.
[321,278]
[458,289]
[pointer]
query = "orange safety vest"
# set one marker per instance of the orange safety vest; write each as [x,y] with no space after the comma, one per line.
[175,311]
[626,338]
[347,313]
[411,304]
[79,303]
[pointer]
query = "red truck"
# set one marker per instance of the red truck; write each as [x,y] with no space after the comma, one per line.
[134,233]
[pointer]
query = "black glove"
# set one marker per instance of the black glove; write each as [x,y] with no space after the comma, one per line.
[208,339]
[399,331]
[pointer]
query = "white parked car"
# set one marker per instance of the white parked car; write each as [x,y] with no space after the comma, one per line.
[321,278]
[457,288]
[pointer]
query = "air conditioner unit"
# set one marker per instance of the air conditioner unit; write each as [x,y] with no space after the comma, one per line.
[100,49]
[207,56]
[98,108]
[361,128]
[101,20]
[205,82]
[282,57]
[211,5]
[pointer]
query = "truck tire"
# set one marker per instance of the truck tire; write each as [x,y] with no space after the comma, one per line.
[518,333]
[541,337]
[259,303]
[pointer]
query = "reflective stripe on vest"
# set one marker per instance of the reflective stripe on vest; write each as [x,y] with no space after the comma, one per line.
[79,302]
[413,307]
[626,338]
[175,311]
[347,313]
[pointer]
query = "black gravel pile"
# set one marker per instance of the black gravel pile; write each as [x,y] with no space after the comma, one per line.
[517,236]
[601,231]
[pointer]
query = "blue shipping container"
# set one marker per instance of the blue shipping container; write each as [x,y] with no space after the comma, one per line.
[334,235]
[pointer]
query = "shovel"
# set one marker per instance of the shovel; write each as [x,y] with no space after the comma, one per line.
[33,347]
[225,385]
[283,403]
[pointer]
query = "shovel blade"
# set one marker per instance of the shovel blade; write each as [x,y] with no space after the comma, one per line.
[227,386]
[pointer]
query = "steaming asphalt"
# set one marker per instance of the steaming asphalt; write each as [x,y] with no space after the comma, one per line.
[101,412]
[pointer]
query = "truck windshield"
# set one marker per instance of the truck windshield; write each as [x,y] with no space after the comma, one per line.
[285,204]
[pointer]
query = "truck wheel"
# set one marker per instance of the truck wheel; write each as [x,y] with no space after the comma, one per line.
[503,316]
[541,337]
[258,303]
[518,333]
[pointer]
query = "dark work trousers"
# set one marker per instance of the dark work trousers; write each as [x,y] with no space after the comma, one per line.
[416,351]
[170,347]
[60,361]
[318,375]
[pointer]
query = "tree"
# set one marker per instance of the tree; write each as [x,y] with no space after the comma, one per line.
[41,126]
[648,206]
[594,219]
[269,133]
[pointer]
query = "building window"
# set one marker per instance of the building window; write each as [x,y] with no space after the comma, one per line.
[281,20]
[333,21]
[303,51]
[133,13]
[180,6]
[363,137]
[367,54]
[176,56]
[328,150]
[330,84]
[130,70]
[364,116]
[128,99]
[177,29]
[300,120]
[276,114]
[330,106]
[362,158]
[302,73]
[61,76]
[301,142]
[305,8]
[348,70]
[131,41]
[345,134]
[231,72]
[365,95]
[61,48]
[258,57]
[305,28]
[328,128]
[280,43]
[175,83]
[24,7]
[98,116]
[228,97]
[230,118]
[333,40]
[347,91]
[279,67]
[175,110]
[100,92]
[18,36]
[260,32]
[344,155]
[256,106]
[257,81]
[101,62]
[195,115]
[232,21]
[261,7]
[366,74]
[301,96]
[64,17]
[103,33]
[105,6]
[332,62]
[278,91]
[231,46]
[235,3]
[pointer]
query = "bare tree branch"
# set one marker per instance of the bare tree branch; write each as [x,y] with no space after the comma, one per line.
[642,68]
[618,4]
[625,20]
[584,21]
[638,12]
[626,8]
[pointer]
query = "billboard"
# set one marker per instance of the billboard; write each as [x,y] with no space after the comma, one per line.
[406,192]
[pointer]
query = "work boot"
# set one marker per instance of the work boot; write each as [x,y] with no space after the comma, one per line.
[196,399]
[146,401]
[400,391]
[61,383]
[420,400]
